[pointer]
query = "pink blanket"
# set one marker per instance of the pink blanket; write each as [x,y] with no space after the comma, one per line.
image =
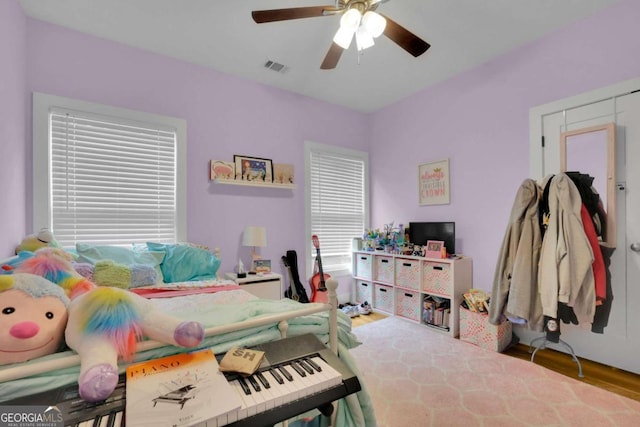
[170,293]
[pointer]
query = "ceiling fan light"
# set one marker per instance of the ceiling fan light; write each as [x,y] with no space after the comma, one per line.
[374,23]
[351,19]
[343,37]
[363,39]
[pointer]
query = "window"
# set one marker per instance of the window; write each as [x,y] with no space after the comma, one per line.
[337,203]
[107,175]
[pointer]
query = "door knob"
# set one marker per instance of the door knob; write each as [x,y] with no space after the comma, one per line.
[635,247]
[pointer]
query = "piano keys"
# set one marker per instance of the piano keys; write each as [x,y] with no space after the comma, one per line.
[77,412]
[297,374]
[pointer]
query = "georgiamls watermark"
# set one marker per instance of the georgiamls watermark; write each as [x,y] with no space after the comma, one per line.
[30,416]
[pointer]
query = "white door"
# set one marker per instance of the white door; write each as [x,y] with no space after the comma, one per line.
[629,105]
[618,342]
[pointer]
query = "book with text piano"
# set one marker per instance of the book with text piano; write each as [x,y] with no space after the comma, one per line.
[179,390]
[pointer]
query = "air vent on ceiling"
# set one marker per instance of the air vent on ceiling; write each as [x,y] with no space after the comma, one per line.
[275,66]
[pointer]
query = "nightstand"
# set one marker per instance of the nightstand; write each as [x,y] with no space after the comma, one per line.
[265,285]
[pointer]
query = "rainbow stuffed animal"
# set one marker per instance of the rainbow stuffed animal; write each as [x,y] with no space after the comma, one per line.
[105,323]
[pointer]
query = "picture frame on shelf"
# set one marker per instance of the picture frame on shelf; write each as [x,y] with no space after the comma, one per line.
[261,265]
[433,183]
[253,169]
[283,173]
[221,170]
[433,249]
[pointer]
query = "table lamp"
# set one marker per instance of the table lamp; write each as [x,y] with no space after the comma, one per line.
[256,237]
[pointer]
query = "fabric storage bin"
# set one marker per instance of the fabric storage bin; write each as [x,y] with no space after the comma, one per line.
[383,298]
[407,273]
[364,291]
[363,266]
[408,304]
[476,329]
[384,268]
[436,278]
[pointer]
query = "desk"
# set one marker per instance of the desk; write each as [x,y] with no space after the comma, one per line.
[266,285]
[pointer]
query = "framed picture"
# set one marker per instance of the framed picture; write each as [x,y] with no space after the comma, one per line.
[253,169]
[282,173]
[433,183]
[261,265]
[219,169]
[434,249]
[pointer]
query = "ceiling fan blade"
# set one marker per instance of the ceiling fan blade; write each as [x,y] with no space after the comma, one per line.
[405,38]
[333,56]
[273,15]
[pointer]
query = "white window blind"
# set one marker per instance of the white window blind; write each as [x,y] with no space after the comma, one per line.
[338,203]
[113,181]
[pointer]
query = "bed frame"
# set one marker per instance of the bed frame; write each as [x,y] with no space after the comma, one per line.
[12,373]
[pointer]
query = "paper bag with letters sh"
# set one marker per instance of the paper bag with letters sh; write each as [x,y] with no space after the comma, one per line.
[242,360]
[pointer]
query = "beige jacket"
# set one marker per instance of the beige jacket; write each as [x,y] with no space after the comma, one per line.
[565,272]
[515,285]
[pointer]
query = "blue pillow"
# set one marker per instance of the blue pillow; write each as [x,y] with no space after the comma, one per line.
[184,262]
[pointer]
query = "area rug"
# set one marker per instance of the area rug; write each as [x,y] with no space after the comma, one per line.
[419,377]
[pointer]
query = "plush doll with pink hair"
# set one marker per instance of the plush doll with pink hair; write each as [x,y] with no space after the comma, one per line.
[105,323]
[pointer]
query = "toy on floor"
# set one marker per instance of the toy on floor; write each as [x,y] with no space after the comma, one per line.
[105,323]
[33,317]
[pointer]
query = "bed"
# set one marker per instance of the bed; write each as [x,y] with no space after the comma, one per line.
[231,316]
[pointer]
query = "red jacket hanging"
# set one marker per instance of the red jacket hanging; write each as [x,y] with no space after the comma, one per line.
[599,270]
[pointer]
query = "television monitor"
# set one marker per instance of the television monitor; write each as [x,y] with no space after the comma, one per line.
[420,232]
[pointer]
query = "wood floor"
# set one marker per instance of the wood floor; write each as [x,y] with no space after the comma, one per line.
[603,376]
[615,380]
[365,319]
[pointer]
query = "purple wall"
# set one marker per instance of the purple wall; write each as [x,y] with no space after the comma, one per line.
[225,116]
[13,124]
[480,121]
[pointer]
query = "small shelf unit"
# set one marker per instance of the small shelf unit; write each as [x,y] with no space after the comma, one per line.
[425,290]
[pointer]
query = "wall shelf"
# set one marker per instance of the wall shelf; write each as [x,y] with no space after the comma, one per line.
[254,184]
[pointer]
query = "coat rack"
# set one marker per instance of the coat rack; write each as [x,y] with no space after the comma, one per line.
[542,344]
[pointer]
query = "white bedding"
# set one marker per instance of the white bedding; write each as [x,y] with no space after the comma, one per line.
[195,284]
[187,302]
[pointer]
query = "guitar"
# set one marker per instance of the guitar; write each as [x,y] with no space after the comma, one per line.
[318,281]
[290,293]
[292,265]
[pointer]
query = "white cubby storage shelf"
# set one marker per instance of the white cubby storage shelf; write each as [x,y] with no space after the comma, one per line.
[424,290]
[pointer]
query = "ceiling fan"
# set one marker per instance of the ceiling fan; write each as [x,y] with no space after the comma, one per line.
[359,20]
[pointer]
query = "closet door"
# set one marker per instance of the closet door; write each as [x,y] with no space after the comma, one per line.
[619,343]
[629,120]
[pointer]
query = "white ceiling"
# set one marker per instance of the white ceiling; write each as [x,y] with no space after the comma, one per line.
[220,34]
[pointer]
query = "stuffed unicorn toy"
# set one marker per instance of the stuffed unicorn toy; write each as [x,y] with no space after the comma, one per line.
[105,323]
